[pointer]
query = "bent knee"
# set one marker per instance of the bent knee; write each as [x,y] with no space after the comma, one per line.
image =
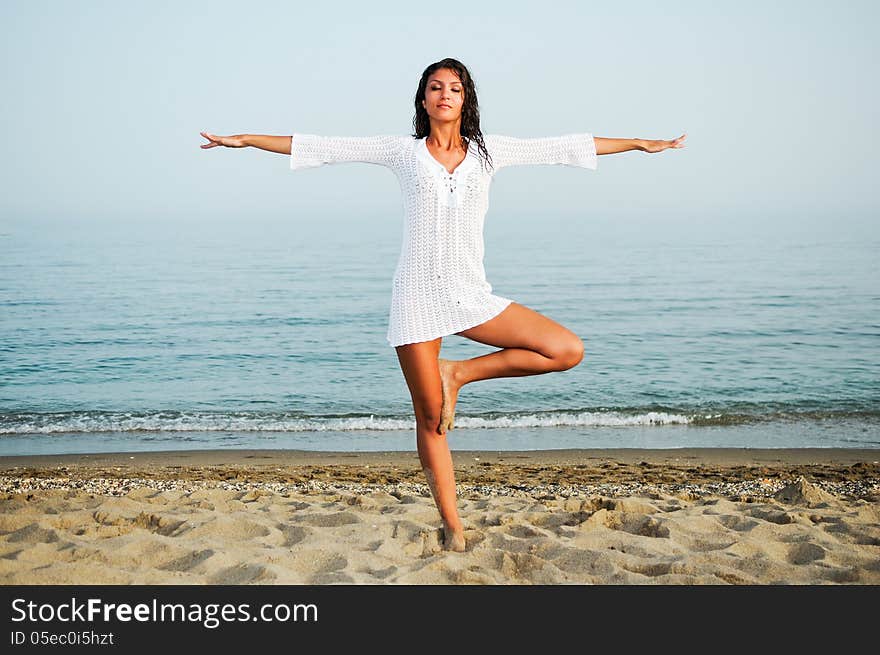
[569,353]
[428,412]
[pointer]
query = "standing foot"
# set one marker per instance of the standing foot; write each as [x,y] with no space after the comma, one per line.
[450,394]
[453,539]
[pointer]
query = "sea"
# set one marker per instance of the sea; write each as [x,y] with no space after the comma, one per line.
[124,335]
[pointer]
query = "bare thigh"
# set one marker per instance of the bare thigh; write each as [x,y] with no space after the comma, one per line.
[419,362]
[517,326]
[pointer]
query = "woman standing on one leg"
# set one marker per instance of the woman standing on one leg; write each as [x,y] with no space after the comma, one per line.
[440,287]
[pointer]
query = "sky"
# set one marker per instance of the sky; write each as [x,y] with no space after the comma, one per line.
[104,102]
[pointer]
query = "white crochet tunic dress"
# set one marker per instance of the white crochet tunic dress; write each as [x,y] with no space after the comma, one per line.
[439,286]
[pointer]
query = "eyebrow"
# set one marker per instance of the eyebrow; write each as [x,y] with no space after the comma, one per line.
[441,81]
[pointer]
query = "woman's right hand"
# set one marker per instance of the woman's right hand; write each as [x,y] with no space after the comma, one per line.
[234,141]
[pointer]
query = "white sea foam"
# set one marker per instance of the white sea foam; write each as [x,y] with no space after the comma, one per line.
[243,422]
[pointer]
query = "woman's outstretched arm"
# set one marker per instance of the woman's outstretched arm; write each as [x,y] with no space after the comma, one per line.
[280,144]
[607,146]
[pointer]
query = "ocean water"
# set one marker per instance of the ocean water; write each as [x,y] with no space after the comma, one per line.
[173,334]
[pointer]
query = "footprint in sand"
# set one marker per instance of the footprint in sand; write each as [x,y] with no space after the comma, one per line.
[776,516]
[381,574]
[32,534]
[805,553]
[335,577]
[637,524]
[187,562]
[242,574]
[738,523]
[522,531]
[293,534]
[334,520]
[650,569]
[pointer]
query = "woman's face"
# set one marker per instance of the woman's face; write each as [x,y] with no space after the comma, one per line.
[444,96]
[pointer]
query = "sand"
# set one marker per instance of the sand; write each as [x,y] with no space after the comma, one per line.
[672,516]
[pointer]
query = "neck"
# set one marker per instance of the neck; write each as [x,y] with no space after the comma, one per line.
[446,136]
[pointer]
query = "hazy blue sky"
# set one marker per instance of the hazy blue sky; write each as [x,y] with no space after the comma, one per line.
[103,103]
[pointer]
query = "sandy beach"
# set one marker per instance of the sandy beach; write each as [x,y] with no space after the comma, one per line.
[629,516]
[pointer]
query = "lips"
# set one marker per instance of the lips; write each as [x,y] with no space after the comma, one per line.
[444,107]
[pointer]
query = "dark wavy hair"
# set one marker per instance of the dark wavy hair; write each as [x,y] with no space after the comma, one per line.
[470,110]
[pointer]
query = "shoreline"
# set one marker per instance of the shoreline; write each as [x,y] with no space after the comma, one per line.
[211,457]
[730,472]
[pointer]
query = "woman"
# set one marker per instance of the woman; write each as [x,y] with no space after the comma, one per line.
[440,286]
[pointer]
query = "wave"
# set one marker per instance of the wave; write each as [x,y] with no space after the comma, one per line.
[20,423]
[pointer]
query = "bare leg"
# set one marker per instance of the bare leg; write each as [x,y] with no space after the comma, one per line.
[443,492]
[420,368]
[531,344]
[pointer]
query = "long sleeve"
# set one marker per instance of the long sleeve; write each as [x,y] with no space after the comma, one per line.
[568,150]
[311,150]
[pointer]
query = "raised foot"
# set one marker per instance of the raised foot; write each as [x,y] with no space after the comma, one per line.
[450,395]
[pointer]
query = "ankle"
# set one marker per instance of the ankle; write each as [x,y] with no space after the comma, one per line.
[457,373]
[453,526]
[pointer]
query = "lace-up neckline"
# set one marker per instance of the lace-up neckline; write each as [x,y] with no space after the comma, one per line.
[435,161]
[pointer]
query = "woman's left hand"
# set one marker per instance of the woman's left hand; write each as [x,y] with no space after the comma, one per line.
[649,145]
